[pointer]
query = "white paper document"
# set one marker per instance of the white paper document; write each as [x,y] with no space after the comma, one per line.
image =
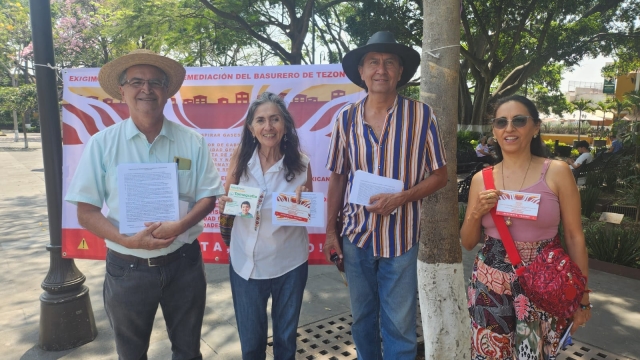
[517,204]
[365,185]
[287,211]
[147,193]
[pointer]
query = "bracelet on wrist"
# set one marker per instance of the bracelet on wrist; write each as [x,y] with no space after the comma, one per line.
[586,306]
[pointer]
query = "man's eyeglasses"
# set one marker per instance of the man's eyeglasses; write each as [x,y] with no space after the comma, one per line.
[517,122]
[138,83]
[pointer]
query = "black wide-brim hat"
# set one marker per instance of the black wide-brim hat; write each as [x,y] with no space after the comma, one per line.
[382,42]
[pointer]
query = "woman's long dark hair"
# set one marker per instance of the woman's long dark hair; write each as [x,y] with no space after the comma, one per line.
[290,148]
[537,146]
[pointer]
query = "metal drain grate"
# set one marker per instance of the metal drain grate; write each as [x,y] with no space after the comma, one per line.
[331,339]
[582,351]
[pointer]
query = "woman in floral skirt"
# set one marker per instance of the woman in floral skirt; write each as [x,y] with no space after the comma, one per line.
[505,324]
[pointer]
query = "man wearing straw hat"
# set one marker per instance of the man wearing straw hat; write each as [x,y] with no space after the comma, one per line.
[394,137]
[149,268]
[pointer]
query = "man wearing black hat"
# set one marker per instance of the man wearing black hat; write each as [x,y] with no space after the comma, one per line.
[394,137]
[162,264]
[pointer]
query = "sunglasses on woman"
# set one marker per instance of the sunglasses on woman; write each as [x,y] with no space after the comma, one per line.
[517,122]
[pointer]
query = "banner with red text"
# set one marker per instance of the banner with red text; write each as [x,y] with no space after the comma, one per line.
[214,102]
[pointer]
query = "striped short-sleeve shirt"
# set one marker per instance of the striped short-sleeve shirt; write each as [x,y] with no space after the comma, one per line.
[409,149]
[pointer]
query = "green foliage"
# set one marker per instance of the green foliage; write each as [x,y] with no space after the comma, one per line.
[630,180]
[412,92]
[402,18]
[551,103]
[575,153]
[462,212]
[619,108]
[6,118]
[15,34]
[464,139]
[20,99]
[611,179]
[582,105]
[589,196]
[280,28]
[506,43]
[613,244]
[551,146]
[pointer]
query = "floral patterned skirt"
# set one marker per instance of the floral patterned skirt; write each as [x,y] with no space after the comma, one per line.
[504,323]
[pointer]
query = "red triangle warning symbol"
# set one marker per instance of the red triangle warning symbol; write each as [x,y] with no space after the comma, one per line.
[83,245]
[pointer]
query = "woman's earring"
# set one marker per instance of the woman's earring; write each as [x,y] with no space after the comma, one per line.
[285,137]
[254,139]
[535,136]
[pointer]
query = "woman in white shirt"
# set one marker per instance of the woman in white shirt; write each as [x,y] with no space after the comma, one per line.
[482,151]
[266,259]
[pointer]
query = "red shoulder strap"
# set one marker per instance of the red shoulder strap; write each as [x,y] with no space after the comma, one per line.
[503,230]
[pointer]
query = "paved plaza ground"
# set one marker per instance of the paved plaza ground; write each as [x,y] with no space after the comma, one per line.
[24,261]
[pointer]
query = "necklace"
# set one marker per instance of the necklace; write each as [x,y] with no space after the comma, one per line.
[508,219]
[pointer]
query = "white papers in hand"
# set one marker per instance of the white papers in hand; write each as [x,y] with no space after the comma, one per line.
[286,210]
[365,185]
[147,193]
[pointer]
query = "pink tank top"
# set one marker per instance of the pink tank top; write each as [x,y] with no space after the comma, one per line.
[544,227]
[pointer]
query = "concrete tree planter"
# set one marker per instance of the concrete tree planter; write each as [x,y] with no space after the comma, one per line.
[615,269]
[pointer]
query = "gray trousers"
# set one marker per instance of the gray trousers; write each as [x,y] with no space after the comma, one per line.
[133,290]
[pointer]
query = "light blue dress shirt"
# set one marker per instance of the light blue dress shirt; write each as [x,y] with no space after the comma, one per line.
[96,182]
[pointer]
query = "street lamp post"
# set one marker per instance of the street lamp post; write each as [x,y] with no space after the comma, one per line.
[66,316]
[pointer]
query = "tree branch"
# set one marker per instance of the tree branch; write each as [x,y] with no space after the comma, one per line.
[467,30]
[481,24]
[330,4]
[278,49]
[477,63]
[602,7]
[516,39]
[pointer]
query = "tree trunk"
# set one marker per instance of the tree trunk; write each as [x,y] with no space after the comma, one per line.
[26,113]
[24,129]
[16,129]
[440,275]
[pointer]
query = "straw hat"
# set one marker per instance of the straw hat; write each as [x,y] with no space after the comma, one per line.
[111,71]
[381,42]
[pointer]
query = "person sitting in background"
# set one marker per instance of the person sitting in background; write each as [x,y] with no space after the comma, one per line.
[492,144]
[585,155]
[616,145]
[482,151]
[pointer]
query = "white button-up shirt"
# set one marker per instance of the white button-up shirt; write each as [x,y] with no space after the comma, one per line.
[268,251]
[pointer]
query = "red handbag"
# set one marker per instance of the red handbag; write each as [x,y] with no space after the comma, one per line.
[553,282]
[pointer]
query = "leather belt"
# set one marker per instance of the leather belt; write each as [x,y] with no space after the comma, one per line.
[156,261]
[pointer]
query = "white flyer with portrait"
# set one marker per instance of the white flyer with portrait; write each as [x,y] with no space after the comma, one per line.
[287,211]
[244,201]
[517,204]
